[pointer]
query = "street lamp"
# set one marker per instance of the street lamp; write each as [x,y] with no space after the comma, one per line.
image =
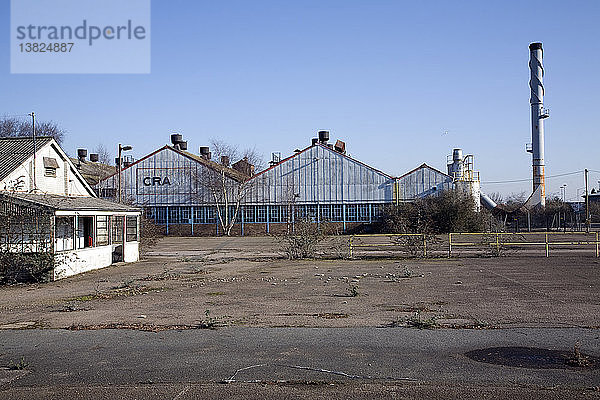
[119,163]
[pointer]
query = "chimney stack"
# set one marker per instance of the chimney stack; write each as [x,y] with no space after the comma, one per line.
[81,154]
[538,114]
[323,137]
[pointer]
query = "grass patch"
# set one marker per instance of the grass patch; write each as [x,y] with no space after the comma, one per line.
[415,321]
[120,291]
[20,366]
[332,315]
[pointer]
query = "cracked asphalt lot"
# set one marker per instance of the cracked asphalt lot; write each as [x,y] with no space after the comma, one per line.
[301,329]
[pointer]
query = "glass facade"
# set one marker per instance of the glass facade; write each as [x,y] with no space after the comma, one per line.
[363,212]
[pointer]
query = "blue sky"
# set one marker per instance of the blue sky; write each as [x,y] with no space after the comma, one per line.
[387,77]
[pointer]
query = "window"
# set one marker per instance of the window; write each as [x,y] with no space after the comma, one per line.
[160,215]
[117,229]
[232,213]
[102,230]
[64,233]
[85,235]
[377,211]
[336,212]
[199,215]
[132,229]
[274,214]
[300,212]
[211,214]
[311,213]
[173,215]
[261,214]
[363,212]
[185,215]
[351,212]
[325,210]
[249,214]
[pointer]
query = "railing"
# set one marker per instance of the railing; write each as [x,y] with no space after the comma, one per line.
[498,241]
[415,242]
[418,244]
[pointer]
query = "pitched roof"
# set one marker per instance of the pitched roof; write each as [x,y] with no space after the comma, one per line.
[64,203]
[14,151]
[423,166]
[93,172]
[297,153]
[230,172]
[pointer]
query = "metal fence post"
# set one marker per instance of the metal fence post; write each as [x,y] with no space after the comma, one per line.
[597,255]
[547,246]
[424,245]
[351,237]
[449,244]
[497,243]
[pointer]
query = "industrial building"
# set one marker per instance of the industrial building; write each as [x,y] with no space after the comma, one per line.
[47,207]
[320,183]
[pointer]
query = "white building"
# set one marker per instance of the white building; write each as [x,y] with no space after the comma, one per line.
[47,207]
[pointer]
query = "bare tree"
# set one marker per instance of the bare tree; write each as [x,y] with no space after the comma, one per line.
[104,156]
[496,197]
[515,201]
[226,187]
[15,127]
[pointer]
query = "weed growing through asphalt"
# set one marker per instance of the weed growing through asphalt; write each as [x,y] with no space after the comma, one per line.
[352,290]
[578,359]
[210,322]
[21,365]
[415,321]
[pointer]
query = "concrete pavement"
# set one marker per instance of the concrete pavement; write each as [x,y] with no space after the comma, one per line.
[282,360]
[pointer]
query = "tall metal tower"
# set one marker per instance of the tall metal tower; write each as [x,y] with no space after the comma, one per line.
[538,114]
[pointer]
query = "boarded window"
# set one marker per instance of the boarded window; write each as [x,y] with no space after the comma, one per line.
[102,230]
[50,167]
[132,229]
[50,172]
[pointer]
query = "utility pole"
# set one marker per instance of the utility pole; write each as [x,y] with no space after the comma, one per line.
[32,115]
[119,161]
[119,169]
[587,204]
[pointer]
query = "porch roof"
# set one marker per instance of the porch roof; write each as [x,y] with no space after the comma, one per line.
[64,203]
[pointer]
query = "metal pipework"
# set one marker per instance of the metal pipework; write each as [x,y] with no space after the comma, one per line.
[538,114]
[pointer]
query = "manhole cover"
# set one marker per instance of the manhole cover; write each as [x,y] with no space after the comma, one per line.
[531,357]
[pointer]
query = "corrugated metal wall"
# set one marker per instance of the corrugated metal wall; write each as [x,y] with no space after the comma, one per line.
[423,181]
[317,175]
[165,178]
[320,175]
